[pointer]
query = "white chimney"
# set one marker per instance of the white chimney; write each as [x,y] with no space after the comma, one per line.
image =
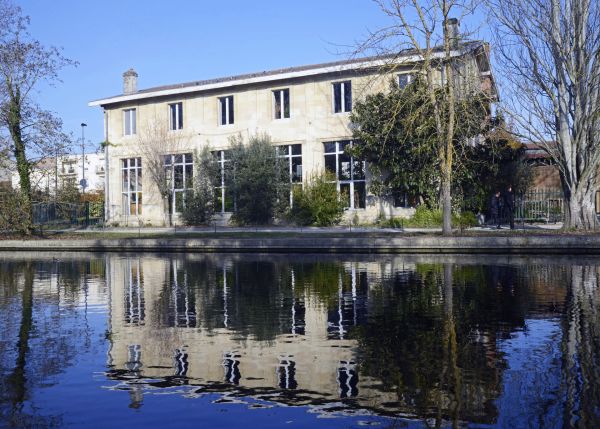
[130,82]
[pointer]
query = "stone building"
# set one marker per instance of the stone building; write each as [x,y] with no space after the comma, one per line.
[305,110]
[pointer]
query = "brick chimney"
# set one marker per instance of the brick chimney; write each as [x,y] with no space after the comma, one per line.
[130,82]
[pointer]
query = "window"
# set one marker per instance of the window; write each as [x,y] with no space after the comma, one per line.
[179,171]
[292,153]
[400,198]
[342,97]
[129,125]
[224,194]
[226,110]
[176,116]
[405,79]
[350,173]
[281,103]
[132,186]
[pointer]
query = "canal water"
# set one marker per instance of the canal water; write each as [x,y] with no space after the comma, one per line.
[298,341]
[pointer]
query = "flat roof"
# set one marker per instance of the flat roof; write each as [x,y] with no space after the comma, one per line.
[406,56]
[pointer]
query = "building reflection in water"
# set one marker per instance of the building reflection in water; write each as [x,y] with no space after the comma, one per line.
[417,340]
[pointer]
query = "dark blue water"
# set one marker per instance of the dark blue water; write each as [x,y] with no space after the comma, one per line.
[272,341]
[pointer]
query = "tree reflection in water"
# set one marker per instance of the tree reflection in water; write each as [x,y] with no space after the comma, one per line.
[35,298]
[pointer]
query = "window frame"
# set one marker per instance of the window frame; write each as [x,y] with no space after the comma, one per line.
[178,125]
[279,95]
[409,75]
[129,114]
[187,159]
[221,190]
[344,86]
[132,166]
[351,182]
[289,159]
[229,107]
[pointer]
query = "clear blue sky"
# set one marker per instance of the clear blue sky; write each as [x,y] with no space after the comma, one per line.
[179,41]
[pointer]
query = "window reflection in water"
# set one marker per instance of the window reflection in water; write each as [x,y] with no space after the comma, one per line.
[347,378]
[183,300]
[134,359]
[231,366]
[351,303]
[286,373]
[135,311]
[180,361]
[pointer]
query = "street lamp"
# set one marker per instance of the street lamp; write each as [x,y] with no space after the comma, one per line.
[83,183]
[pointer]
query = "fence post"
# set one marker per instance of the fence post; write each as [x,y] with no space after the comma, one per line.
[87,214]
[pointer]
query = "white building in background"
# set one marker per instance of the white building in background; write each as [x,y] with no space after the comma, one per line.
[66,170]
[6,170]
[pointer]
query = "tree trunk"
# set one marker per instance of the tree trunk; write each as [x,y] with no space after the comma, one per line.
[14,125]
[446,204]
[580,210]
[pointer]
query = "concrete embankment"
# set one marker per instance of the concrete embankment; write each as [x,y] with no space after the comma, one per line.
[530,244]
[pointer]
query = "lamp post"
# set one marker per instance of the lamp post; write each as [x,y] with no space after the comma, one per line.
[83,183]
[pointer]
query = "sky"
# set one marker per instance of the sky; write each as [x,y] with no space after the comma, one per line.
[181,41]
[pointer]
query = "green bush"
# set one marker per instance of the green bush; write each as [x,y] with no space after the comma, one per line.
[464,220]
[393,222]
[200,203]
[318,203]
[430,218]
[15,215]
[261,182]
[425,217]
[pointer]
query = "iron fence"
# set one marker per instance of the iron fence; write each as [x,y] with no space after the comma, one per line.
[540,206]
[60,214]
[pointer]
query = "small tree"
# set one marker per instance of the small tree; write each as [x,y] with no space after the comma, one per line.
[154,141]
[261,183]
[200,203]
[29,131]
[318,203]
[14,215]
[427,28]
[398,137]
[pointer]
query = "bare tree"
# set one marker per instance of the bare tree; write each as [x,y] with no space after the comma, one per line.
[429,28]
[27,130]
[154,142]
[549,53]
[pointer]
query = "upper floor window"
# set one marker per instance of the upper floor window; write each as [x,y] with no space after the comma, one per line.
[226,110]
[129,125]
[405,79]
[342,96]
[176,116]
[281,103]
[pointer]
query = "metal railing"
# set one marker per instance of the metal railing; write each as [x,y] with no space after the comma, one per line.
[60,214]
[540,206]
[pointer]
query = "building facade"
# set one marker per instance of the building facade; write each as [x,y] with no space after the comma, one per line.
[305,111]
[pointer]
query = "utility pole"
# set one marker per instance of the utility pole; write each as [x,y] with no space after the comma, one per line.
[83,182]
